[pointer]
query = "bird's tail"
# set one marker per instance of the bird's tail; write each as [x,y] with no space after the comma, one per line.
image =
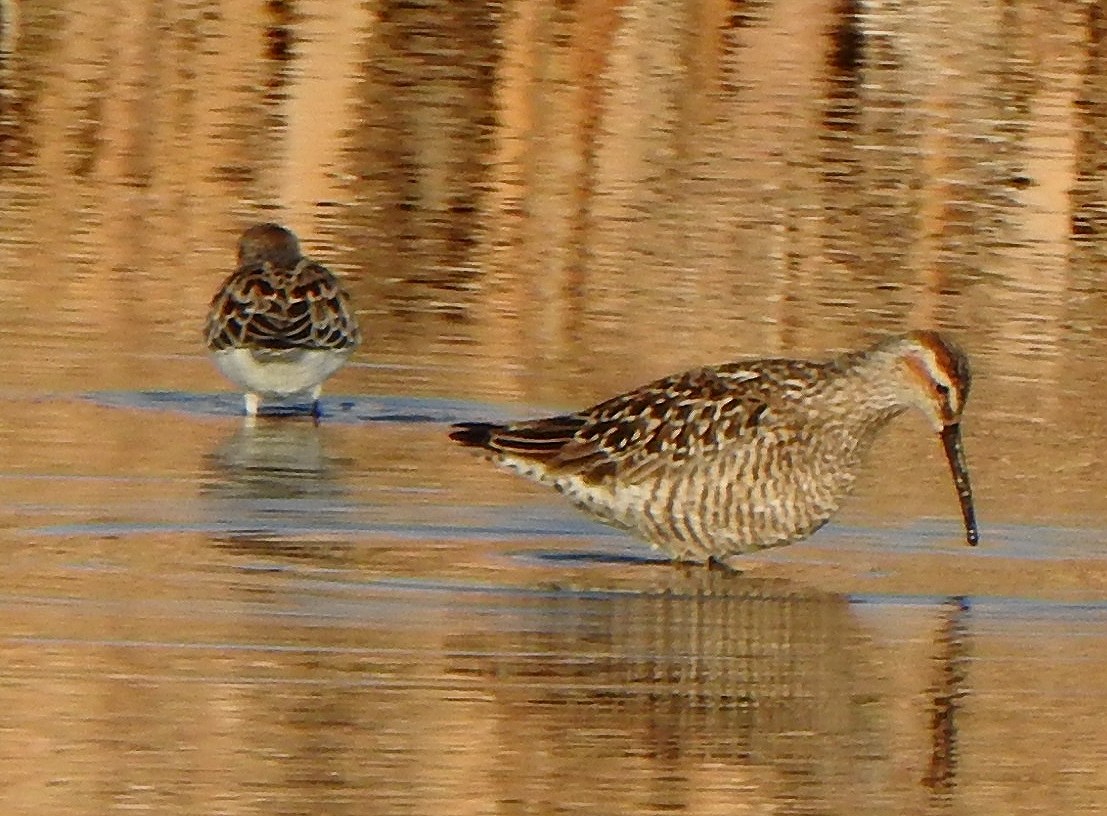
[475,434]
[535,439]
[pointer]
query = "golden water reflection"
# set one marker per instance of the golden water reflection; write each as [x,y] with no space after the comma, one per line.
[301,692]
[537,205]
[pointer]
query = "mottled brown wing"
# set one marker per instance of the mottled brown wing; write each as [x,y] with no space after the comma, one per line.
[686,415]
[260,307]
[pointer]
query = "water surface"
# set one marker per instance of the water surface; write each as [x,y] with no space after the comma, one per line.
[536,205]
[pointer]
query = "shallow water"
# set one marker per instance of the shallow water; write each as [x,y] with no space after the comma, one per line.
[535,206]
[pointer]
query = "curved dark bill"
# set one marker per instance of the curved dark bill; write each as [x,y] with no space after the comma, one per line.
[955,454]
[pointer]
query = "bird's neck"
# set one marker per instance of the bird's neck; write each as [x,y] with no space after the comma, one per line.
[873,383]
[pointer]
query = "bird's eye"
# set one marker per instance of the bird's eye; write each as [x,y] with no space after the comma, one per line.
[942,389]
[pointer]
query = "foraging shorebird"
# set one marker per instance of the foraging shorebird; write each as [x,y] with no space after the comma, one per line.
[730,459]
[281,324]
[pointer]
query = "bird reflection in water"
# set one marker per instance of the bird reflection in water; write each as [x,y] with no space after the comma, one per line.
[715,682]
[275,488]
[704,667]
[947,693]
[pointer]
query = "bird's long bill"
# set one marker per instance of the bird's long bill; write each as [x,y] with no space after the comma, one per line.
[955,453]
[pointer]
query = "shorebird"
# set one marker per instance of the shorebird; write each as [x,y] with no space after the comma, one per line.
[726,460]
[281,324]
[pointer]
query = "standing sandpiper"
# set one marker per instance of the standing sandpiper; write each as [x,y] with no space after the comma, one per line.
[725,460]
[281,324]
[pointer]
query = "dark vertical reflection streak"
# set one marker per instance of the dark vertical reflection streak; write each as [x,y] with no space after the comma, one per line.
[17,99]
[280,53]
[846,59]
[840,169]
[1086,304]
[422,150]
[596,28]
[279,40]
[947,693]
[1088,207]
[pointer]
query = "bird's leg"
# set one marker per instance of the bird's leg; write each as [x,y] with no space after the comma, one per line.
[692,568]
[253,402]
[715,564]
[316,408]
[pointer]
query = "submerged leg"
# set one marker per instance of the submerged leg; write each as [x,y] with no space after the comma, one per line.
[716,564]
[711,564]
[253,402]
[316,408]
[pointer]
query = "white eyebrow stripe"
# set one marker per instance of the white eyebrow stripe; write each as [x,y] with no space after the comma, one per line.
[938,374]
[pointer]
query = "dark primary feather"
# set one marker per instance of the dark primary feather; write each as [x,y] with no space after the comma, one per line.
[473,434]
[680,417]
[264,306]
[537,439]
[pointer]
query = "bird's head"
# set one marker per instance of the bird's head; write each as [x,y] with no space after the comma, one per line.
[268,243]
[936,379]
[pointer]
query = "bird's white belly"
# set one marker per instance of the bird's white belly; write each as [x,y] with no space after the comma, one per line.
[279,374]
